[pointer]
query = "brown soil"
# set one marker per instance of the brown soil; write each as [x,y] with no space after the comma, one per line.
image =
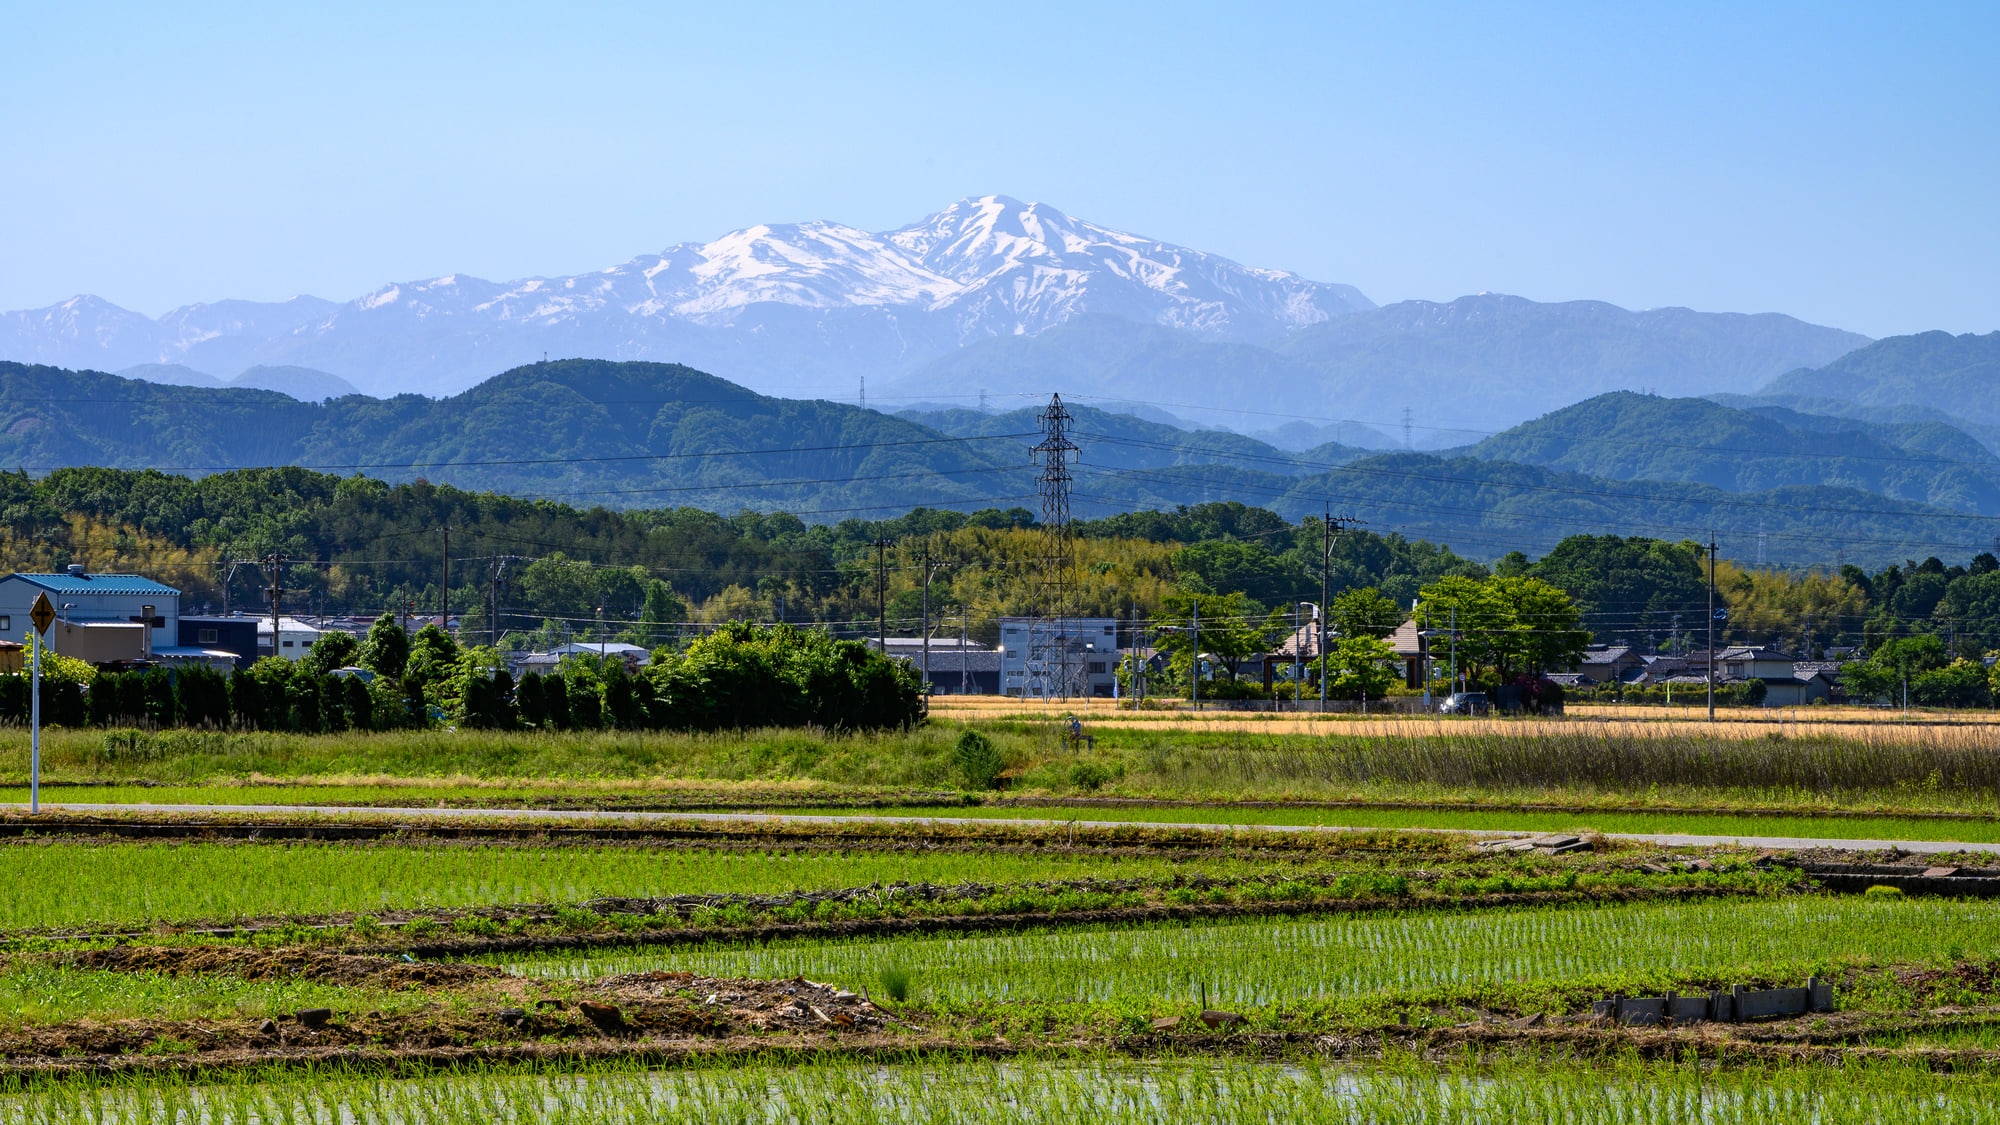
[635,1014]
[283,964]
[464,945]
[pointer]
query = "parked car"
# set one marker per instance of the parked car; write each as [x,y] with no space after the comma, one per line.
[1465,703]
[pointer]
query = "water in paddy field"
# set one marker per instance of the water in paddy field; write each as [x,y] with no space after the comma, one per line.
[1328,958]
[1179,1091]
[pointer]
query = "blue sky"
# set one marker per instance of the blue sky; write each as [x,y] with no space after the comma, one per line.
[1836,163]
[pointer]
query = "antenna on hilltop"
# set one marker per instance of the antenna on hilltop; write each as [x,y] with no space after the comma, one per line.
[864,392]
[1406,427]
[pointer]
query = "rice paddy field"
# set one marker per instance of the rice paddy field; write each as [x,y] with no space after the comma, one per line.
[1165,1092]
[1144,931]
[1271,964]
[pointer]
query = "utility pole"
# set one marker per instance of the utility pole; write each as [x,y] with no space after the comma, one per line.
[1711,626]
[1194,663]
[274,563]
[444,582]
[495,568]
[1325,597]
[964,672]
[882,594]
[1330,528]
[931,564]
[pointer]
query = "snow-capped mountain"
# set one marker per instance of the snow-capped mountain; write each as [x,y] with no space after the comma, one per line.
[805,308]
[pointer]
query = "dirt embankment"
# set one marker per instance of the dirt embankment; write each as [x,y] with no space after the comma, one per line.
[281,964]
[626,1015]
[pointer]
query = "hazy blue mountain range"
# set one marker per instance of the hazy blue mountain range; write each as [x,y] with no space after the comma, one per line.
[1930,370]
[1626,436]
[302,383]
[1464,369]
[810,307]
[643,435]
[1017,298]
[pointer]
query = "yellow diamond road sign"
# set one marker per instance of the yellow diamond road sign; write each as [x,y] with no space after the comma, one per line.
[43,614]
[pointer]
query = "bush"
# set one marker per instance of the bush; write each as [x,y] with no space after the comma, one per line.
[746,675]
[978,760]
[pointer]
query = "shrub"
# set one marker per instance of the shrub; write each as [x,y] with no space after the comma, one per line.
[978,760]
[1880,891]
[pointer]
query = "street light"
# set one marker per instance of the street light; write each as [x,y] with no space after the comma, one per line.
[1298,642]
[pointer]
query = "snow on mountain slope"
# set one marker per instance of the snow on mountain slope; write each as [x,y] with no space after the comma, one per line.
[1025,268]
[788,308]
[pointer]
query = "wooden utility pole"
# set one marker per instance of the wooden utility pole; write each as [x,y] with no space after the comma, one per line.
[1711,626]
[444,581]
[274,564]
[1329,530]
[882,594]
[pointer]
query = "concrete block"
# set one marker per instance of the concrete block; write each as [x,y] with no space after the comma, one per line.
[1688,1009]
[1642,1011]
[1772,1002]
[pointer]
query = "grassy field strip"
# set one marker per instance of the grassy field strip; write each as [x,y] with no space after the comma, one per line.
[43,994]
[1113,1092]
[68,884]
[1705,827]
[1265,962]
[1974,830]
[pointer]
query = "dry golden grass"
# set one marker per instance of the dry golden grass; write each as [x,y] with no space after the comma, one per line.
[1862,723]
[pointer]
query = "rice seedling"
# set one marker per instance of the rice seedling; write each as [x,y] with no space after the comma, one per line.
[1265,963]
[32,993]
[1172,1092]
[73,884]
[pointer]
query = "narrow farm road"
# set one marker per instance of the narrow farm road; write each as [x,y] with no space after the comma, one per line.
[1668,839]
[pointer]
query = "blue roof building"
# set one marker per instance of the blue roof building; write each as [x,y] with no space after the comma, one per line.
[81,597]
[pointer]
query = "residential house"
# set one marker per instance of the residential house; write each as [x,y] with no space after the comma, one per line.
[1412,649]
[1610,664]
[635,656]
[970,669]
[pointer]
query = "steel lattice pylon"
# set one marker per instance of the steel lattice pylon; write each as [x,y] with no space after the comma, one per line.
[1053,671]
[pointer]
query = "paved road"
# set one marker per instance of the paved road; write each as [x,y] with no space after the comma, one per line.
[1669,839]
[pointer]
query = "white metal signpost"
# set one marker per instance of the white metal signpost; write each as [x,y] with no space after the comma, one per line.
[43,614]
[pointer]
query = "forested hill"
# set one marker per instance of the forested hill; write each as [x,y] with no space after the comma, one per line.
[1957,374]
[588,431]
[656,436]
[1746,447]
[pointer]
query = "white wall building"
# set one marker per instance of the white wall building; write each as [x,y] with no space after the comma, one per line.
[295,637]
[1090,645]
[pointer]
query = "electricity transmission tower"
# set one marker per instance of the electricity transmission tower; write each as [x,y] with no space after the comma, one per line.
[1052,673]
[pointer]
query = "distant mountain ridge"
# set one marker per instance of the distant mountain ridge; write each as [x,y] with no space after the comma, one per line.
[786,308]
[302,383]
[1628,437]
[1016,297]
[1931,370]
[645,435]
[1463,368]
